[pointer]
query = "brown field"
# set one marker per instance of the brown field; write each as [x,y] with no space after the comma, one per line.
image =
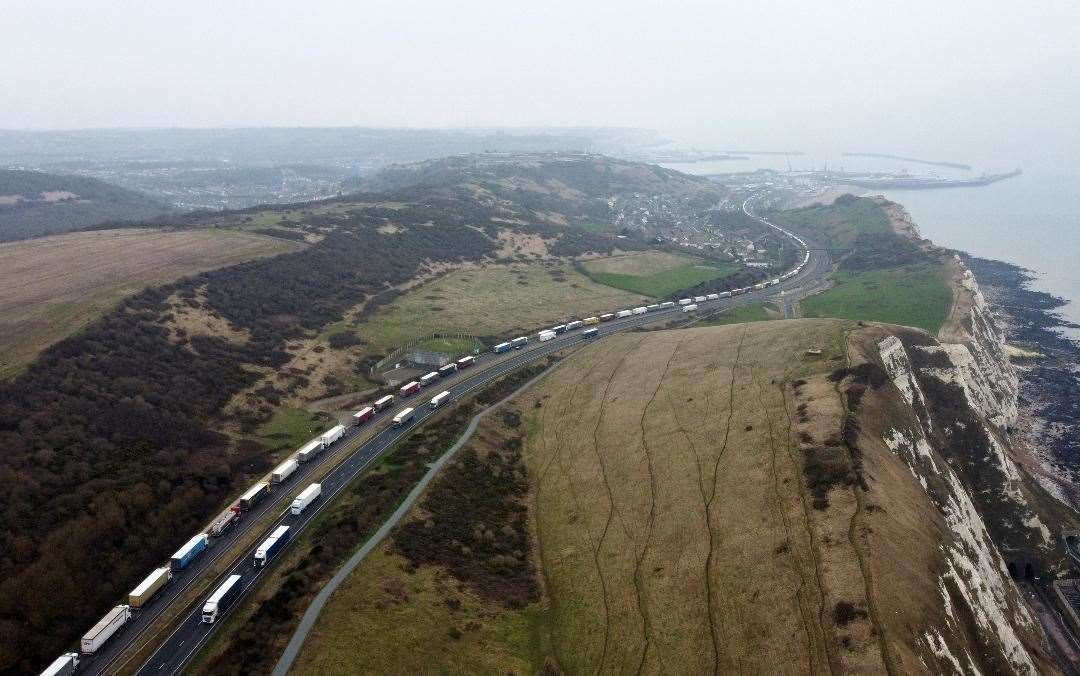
[52,286]
[694,509]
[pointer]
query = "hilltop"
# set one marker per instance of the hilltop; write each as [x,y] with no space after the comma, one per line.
[33,203]
[691,500]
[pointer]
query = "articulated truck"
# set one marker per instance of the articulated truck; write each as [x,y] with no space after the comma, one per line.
[153,583]
[306,497]
[271,546]
[188,552]
[221,599]
[63,665]
[104,629]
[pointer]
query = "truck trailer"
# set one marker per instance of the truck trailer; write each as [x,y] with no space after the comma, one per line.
[590,321]
[607,317]
[428,378]
[447,370]
[283,471]
[271,546]
[624,313]
[188,552]
[104,629]
[466,361]
[519,342]
[148,587]
[590,333]
[254,495]
[331,435]
[383,403]
[224,520]
[574,325]
[545,336]
[306,497]
[409,389]
[404,416]
[561,328]
[640,310]
[501,347]
[685,301]
[221,599]
[690,308]
[63,665]
[439,399]
[713,296]
[309,450]
[363,415]
[700,299]
[666,304]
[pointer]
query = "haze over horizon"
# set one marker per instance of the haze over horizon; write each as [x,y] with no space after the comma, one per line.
[952,80]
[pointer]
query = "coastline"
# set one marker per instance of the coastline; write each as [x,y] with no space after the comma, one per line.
[1044,426]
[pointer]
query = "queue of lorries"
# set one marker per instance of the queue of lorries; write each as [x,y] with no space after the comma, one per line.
[229,590]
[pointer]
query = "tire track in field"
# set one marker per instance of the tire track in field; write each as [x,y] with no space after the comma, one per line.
[717,625]
[815,551]
[612,510]
[557,457]
[642,602]
[800,596]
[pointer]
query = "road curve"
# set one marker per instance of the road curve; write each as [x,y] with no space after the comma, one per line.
[177,649]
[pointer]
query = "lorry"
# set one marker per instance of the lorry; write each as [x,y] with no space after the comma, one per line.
[63,665]
[590,321]
[409,389]
[501,347]
[590,333]
[545,336]
[713,296]
[363,415]
[254,495]
[440,399]
[149,586]
[189,551]
[309,450]
[700,299]
[607,318]
[448,369]
[685,301]
[404,416]
[690,308]
[383,403]
[574,325]
[726,294]
[331,435]
[224,520]
[640,310]
[221,599]
[519,342]
[666,304]
[653,307]
[284,471]
[624,313]
[271,546]
[561,328]
[428,378]
[105,628]
[306,497]
[466,361]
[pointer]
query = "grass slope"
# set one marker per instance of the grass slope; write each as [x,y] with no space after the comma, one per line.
[654,274]
[492,300]
[915,295]
[52,286]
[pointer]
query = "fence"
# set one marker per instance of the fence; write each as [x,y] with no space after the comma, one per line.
[402,353]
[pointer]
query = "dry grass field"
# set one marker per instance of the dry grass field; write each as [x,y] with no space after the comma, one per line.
[694,507]
[52,286]
[641,263]
[491,300]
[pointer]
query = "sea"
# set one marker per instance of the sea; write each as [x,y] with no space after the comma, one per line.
[1031,220]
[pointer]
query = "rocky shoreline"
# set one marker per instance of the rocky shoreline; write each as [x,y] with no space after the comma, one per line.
[1048,364]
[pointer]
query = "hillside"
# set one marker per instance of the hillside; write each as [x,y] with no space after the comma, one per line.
[33,203]
[52,286]
[692,500]
[148,420]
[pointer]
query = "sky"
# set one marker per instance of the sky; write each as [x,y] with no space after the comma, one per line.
[947,78]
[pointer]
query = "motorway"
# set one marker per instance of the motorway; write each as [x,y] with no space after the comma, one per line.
[190,634]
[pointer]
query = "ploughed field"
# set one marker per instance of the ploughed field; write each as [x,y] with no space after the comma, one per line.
[52,286]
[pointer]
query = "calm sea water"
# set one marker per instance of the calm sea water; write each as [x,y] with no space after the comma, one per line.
[1032,220]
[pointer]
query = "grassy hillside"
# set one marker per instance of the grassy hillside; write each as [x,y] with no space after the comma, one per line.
[34,203]
[654,273]
[882,275]
[51,287]
[697,501]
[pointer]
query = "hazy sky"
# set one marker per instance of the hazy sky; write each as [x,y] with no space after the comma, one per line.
[938,77]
